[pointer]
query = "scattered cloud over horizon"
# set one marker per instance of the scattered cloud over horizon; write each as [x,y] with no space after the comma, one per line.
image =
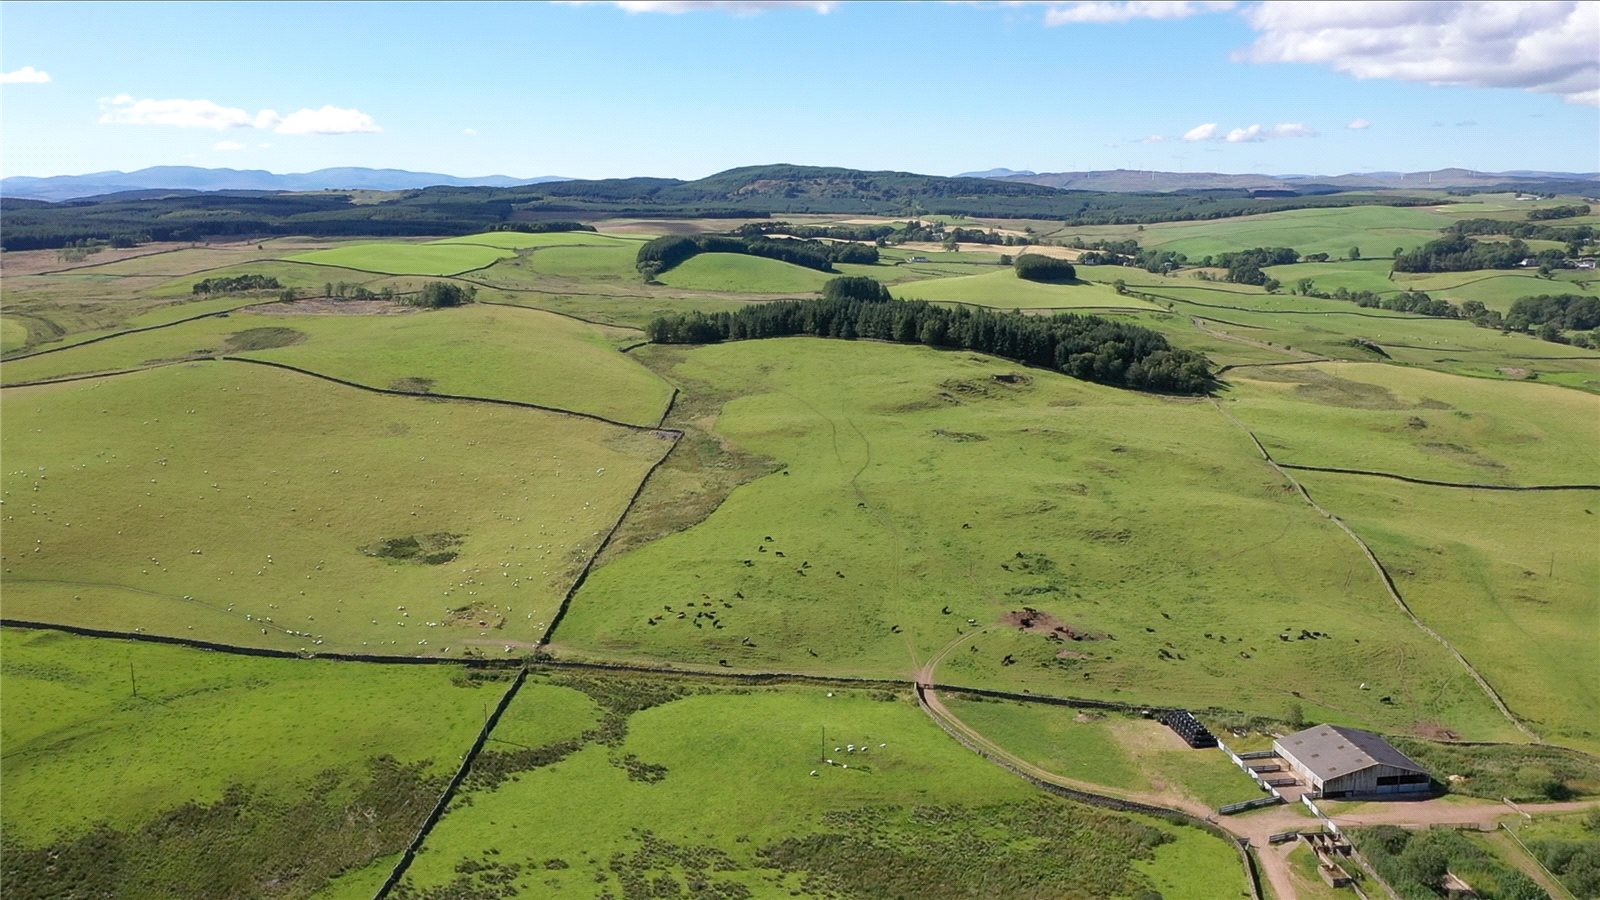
[1543,47]
[1109,11]
[737,7]
[1250,134]
[25,75]
[1153,139]
[1358,124]
[123,109]
[227,146]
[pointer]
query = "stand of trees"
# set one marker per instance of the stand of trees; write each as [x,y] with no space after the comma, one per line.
[1558,212]
[230,284]
[1244,266]
[1567,312]
[864,233]
[1526,231]
[1458,253]
[1086,347]
[443,294]
[663,253]
[1048,269]
[542,227]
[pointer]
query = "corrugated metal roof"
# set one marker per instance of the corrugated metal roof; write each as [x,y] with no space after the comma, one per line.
[1330,751]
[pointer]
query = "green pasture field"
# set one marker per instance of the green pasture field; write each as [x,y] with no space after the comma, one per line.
[1511,579]
[1446,345]
[1495,288]
[661,794]
[479,351]
[1111,750]
[185,261]
[314,766]
[586,263]
[917,499]
[621,311]
[1420,423]
[514,240]
[1002,289]
[738,273]
[408,259]
[253,506]
[13,334]
[1377,230]
[293,272]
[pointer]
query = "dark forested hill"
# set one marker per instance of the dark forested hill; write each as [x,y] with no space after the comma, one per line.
[747,192]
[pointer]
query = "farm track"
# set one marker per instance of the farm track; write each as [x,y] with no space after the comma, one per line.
[1383,576]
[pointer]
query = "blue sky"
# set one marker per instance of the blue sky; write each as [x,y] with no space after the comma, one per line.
[679,89]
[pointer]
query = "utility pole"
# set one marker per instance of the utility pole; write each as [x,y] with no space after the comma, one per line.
[131,680]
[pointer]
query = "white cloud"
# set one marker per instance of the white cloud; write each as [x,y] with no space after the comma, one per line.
[1253,134]
[327,120]
[1201,132]
[737,7]
[264,146]
[125,110]
[25,75]
[1104,11]
[1153,139]
[1545,47]
[470,132]
[227,146]
[1358,124]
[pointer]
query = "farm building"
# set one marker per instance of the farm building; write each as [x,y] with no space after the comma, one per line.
[1339,762]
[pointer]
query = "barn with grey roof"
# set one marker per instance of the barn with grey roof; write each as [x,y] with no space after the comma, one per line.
[1340,762]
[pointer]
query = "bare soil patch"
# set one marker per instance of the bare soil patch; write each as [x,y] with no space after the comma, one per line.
[1035,622]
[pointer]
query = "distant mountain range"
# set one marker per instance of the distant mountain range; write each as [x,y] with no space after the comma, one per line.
[193,178]
[998,173]
[1140,181]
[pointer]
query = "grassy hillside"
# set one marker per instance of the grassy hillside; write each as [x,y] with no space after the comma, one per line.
[267,508]
[737,273]
[220,773]
[1002,289]
[920,498]
[660,797]
[481,351]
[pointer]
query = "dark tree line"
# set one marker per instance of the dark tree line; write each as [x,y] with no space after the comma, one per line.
[1458,253]
[542,227]
[228,284]
[1085,347]
[1558,212]
[1526,231]
[1567,312]
[663,253]
[865,233]
[1048,269]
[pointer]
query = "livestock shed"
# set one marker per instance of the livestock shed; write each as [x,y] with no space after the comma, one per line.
[1345,762]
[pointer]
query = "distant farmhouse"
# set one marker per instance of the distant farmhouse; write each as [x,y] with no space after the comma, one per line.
[1340,762]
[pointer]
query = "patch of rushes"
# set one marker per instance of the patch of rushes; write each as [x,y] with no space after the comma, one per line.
[702,471]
